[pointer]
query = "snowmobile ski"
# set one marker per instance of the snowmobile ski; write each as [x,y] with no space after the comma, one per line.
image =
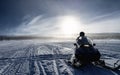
[104,64]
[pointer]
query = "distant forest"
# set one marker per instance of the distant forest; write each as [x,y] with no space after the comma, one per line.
[91,35]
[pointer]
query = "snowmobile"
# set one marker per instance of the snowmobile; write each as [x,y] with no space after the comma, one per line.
[87,54]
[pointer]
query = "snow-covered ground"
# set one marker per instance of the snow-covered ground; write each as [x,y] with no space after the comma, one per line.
[36,57]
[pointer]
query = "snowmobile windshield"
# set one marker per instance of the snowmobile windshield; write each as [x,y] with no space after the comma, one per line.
[84,41]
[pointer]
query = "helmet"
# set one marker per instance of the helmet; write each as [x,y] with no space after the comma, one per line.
[82,34]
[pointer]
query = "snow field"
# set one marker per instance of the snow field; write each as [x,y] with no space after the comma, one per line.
[28,57]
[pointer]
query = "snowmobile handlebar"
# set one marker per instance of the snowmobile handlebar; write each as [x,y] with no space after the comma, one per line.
[75,44]
[94,44]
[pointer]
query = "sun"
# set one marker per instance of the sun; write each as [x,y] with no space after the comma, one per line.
[69,25]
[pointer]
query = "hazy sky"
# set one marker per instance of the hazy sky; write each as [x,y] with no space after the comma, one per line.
[58,17]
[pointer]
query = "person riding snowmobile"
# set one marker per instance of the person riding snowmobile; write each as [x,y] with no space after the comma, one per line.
[83,40]
[85,51]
